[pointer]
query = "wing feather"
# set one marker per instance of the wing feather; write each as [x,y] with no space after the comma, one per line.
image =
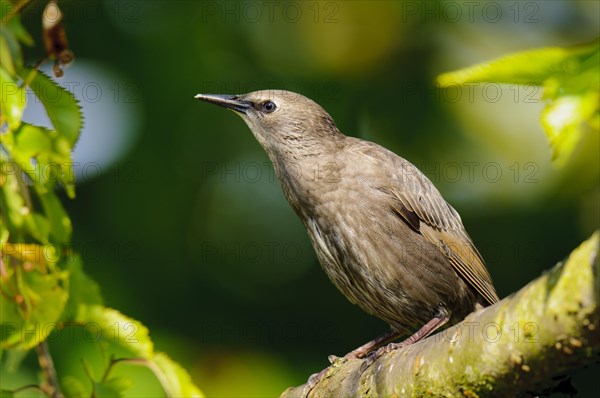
[442,225]
[418,202]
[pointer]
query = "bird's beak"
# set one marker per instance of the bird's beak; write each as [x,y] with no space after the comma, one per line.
[226,101]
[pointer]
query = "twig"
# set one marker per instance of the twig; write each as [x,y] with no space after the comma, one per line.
[51,386]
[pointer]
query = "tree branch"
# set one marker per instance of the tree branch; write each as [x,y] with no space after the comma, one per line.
[527,344]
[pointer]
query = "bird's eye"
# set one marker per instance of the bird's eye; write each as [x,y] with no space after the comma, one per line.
[269,106]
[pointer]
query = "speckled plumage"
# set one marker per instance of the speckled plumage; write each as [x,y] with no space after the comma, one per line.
[382,232]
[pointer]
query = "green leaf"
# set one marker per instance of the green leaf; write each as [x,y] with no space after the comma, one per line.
[33,140]
[9,315]
[43,301]
[114,387]
[123,331]
[571,81]
[15,26]
[14,359]
[178,381]
[49,165]
[563,121]
[6,394]
[131,335]
[60,104]
[10,51]
[4,234]
[73,387]
[19,217]
[12,103]
[526,67]
[59,221]
[51,153]
[82,289]
[38,227]
[12,203]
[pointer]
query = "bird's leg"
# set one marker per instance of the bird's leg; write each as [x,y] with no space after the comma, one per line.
[378,344]
[420,334]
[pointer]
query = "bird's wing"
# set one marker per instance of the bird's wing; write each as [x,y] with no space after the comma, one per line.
[420,204]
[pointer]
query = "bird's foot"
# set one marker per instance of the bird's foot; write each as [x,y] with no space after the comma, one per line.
[332,358]
[351,355]
[376,354]
[368,360]
[314,379]
[420,334]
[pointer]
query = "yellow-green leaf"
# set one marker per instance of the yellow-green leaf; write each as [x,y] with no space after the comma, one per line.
[563,120]
[10,51]
[41,302]
[32,140]
[571,81]
[4,234]
[52,155]
[16,28]
[38,227]
[12,102]
[60,104]
[132,336]
[12,203]
[59,221]
[525,67]
[73,387]
[176,380]
[82,289]
[123,331]
[6,394]
[112,388]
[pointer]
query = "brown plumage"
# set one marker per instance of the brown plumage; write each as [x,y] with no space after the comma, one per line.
[381,230]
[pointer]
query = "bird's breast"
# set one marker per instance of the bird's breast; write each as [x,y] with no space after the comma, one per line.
[378,261]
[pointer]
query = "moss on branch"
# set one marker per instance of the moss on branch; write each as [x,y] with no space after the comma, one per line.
[527,344]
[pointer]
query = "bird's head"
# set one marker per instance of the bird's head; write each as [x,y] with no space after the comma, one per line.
[282,121]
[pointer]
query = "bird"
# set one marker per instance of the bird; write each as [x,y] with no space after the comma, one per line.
[381,230]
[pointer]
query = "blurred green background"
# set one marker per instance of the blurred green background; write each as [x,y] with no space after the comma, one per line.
[178,215]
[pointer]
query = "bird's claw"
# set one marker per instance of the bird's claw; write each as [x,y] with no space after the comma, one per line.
[315,378]
[374,355]
[332,358]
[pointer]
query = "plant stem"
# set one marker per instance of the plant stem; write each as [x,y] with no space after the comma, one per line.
[51,386]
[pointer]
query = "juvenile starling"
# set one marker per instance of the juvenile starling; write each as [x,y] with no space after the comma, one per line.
[381,230]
